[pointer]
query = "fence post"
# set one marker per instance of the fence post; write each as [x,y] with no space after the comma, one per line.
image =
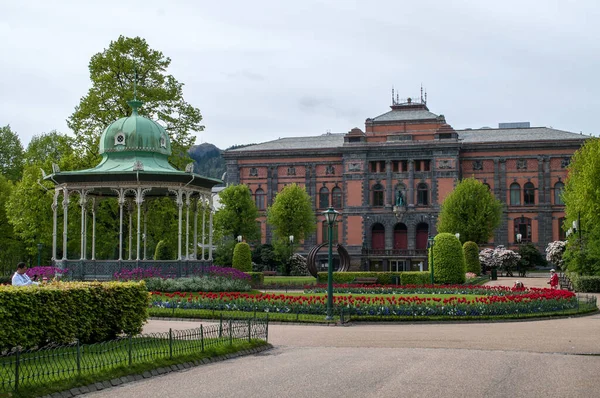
[267,329]
[78,357]
[249,330]
[230,333]
[221,325]
[170,343]
[17,360]
[130,349]
[202,337]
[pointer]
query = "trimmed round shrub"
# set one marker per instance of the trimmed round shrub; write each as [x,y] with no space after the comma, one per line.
[448,260]
[242,257]
[472,257]
[163,251]
[298,265]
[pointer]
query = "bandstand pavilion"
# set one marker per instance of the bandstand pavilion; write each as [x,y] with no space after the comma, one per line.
[134,169]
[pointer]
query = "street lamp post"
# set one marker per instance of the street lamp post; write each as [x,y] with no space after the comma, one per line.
[430,243]
[330,215]
[39,247]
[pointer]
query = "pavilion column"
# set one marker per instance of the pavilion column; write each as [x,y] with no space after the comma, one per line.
[65,204]
[94,207]
[83,203]
[139,201]
[179,201]
[54,224]
[121,200]
[130,213]
[145,229]
[210,230]
[195,208]
[203,198]
[187,223]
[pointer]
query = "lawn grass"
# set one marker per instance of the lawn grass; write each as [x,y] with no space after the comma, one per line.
[289,280]
[57,370]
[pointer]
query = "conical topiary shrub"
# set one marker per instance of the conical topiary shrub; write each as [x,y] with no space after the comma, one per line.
[242,257]
[472,257]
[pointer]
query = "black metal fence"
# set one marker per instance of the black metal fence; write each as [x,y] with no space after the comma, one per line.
[29,368]
[105,269]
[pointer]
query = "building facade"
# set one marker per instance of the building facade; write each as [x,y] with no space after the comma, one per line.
[389,180]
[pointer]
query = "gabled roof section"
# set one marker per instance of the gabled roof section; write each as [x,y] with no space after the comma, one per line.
[517,134]
[329,140]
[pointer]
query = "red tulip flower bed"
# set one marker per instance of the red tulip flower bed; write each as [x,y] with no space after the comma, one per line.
[412,302]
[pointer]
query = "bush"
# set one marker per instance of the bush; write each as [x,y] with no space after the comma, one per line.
[383,278]
[585,284]
[242,257]
[163,251]
[256,278]
[61,312]
[224,253]
[449,260]
[415,278]
[531,257]
[472,257]
[298,265]
[198,284]
[265,255]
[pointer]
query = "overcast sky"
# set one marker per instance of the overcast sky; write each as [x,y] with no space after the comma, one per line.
[260,70]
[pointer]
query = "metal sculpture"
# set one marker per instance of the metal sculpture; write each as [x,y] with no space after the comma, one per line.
[312,257]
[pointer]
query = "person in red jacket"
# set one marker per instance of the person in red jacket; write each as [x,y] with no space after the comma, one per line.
[553,279]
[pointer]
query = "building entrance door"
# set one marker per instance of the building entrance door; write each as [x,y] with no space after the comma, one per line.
[397,265]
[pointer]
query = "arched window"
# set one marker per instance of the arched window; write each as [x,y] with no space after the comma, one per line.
[515,194]
[558,191]
[323,198]
[528,194]
[422,195]
[336,198]
[259,198]
[378,237]
[377,195]
[523,227]
[400,237]
[325,231]
[422,235]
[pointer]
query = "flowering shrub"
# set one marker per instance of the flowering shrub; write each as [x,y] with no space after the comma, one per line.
[147,273]
[555,251]
[470,275]
[137,274]
[46,272]
[487,258]
[525,301]
[500,257]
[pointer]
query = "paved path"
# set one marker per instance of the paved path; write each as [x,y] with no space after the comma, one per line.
[544,358]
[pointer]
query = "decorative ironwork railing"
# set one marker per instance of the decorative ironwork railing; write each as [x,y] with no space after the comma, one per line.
[394,252]
[22,369]
[105,269]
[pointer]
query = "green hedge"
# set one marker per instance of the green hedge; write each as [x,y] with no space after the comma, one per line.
[585,284]
[61,312]
[383,278]
[449,259]
[256,278]
[472,257]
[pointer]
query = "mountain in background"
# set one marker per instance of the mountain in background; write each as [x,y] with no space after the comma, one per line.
[208,159]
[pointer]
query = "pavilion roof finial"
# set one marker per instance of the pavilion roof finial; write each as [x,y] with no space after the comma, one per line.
[135,104]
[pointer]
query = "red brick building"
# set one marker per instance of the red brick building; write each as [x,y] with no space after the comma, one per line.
[412,157]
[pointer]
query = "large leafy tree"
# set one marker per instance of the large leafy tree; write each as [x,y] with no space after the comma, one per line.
[582,200]
[292,213]
[113,73]
[11,154]
[11,248]
[238,214]
[471,210]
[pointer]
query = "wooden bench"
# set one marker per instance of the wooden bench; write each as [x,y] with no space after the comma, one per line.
[269,273]
[365,281]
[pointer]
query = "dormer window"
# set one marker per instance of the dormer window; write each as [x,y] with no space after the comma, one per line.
[163,141]
[119,139]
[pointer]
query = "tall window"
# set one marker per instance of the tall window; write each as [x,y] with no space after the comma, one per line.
[561,232]
[515,194]
[336,198]
[422,195]
[325,230]
[259,198]
[523,227]
[529,194]
[324,198]
[558,191]
[377,195]
[259,227]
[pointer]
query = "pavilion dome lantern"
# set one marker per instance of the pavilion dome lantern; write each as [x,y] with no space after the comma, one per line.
[134,133]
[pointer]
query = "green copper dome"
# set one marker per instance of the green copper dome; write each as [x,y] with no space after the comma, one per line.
[135,133]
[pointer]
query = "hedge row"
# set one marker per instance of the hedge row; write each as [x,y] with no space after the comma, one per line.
[383,278]
[62,312]
[256,278]
[585,284]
